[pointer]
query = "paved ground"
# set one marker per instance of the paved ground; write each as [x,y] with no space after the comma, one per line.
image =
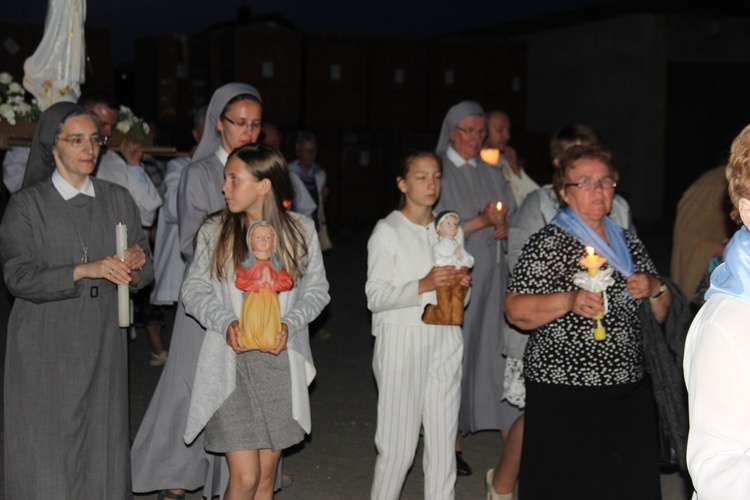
[336,462]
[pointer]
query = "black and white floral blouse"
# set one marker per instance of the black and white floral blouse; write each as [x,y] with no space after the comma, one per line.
[564,350]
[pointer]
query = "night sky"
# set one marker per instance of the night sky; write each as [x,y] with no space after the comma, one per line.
[409,18]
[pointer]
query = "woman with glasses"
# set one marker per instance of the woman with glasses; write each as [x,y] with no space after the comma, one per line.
[590,422]
[473,188]
[161,459]
[66,374]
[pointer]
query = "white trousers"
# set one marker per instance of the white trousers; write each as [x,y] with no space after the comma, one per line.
[418,372]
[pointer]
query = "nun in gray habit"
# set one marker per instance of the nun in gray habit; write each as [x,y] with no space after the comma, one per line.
[66,371]
[468,186]
[160,458]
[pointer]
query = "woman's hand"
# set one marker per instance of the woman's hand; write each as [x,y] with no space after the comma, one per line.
[283,336]
[438,277]
[135,257]
[465,277]
[499,220]
[492,216]
[585,303]
[131,151]
[512,157]
[647,286]
[108,268]
[642,285]
[234,334]
[501,230]
[488,217]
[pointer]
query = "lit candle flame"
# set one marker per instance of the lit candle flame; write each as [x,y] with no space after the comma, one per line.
[500,207]
[490,155]
[287,204]
[590,250]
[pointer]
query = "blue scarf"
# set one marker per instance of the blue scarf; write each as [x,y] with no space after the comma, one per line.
[733,276]
[616,253]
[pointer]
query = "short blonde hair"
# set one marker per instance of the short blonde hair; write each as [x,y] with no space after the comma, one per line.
[738,171]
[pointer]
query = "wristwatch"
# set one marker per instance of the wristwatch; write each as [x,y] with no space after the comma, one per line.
[661,291]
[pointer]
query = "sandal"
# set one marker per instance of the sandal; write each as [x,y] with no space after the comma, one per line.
[286,479]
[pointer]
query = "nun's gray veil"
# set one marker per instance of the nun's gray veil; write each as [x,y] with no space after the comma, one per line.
[452,119]
[211,139]
[41,162]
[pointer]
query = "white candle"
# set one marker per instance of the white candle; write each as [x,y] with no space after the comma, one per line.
[123,291]
[499,207]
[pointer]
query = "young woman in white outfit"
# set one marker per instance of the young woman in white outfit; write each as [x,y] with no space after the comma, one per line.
[417,366]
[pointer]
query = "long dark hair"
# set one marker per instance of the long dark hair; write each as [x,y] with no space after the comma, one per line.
[263,162]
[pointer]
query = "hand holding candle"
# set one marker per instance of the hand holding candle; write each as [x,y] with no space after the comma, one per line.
[123,291]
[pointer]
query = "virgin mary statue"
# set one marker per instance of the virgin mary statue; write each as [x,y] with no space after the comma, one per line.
[56,70]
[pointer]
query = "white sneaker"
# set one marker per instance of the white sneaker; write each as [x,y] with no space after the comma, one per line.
[158,359]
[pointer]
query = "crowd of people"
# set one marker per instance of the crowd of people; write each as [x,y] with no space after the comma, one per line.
[496,305]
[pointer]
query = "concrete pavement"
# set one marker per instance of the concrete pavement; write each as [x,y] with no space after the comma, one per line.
[337,460]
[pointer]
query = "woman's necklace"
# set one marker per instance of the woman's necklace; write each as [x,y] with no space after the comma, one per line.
[84,246]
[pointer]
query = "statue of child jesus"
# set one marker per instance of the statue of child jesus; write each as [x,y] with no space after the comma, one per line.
[448,252]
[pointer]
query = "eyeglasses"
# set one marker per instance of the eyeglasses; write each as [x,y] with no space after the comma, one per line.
[251,126]
[590,184]
[481,133]
[79,141]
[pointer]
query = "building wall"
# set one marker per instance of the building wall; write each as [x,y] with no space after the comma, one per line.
[605,74]
[612,74]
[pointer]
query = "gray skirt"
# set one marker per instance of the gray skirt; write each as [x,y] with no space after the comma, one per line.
[258,414]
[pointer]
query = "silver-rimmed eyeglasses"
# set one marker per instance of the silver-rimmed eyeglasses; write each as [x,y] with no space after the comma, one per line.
[79,141]
[481,133]
[251,126]
[590,184]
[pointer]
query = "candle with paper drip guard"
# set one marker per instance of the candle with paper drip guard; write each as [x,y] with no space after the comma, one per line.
[593,263]
[123,291]
[490,155]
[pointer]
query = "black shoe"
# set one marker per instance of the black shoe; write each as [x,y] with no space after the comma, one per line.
[462,468]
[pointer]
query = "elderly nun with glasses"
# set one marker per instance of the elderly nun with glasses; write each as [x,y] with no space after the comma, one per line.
[473,189]
[590,426]
[66,373]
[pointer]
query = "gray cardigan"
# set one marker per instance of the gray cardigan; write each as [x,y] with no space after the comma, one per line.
[663,350]
[215,304]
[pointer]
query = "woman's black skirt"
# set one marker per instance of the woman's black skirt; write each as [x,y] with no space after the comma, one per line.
[590,442]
